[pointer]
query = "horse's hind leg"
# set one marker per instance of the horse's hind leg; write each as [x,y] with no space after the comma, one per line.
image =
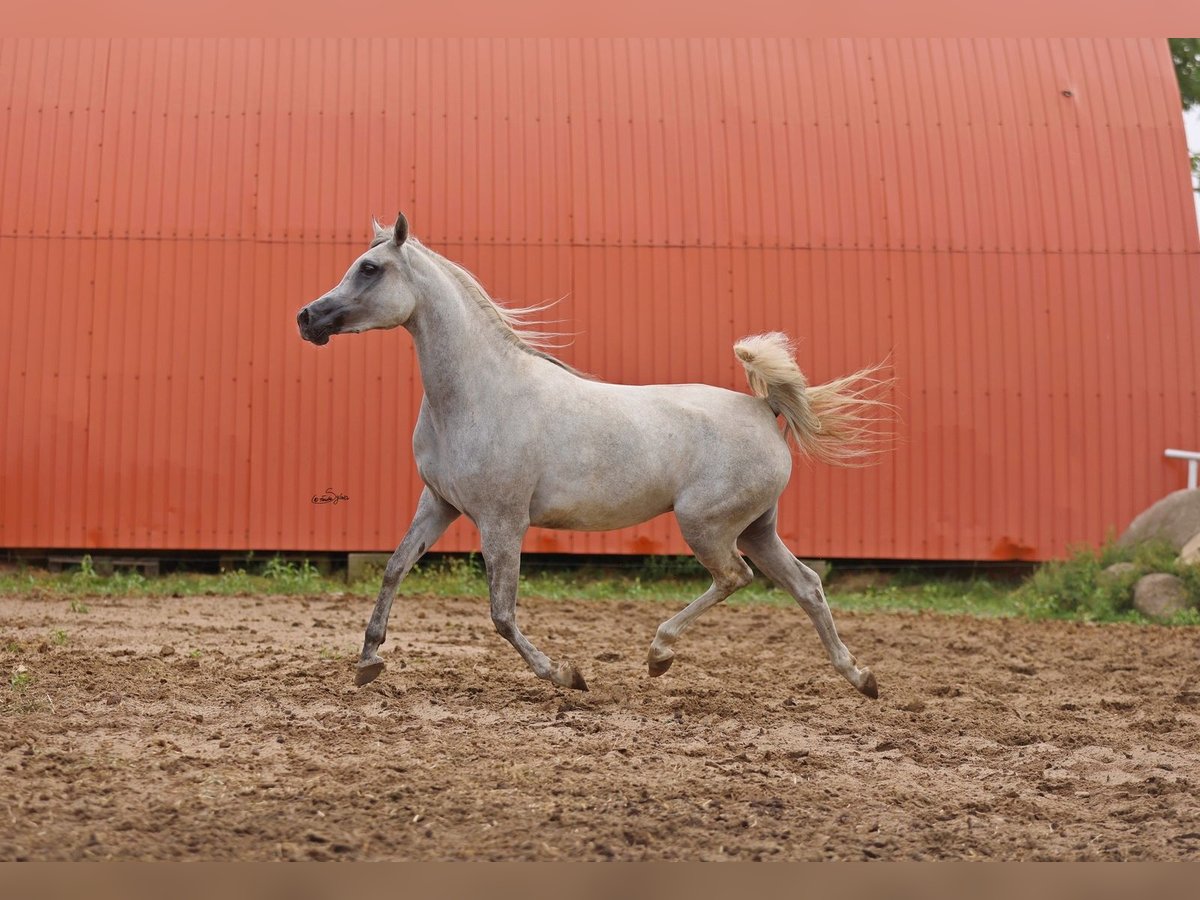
[432,518]
[729,572]
[762,544]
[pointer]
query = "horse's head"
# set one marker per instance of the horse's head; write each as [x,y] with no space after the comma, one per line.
[376,292]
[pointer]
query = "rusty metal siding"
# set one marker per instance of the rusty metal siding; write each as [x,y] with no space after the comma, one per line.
[1010,220]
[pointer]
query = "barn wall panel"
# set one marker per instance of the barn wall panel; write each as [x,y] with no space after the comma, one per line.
[1008,222]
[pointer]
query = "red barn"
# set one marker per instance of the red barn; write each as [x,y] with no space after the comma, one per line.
[1010,220]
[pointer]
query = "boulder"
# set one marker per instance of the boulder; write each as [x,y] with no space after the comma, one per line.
[1190,554]
[1174,520]
[1159,596]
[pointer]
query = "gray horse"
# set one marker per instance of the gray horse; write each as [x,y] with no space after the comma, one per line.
[513,437]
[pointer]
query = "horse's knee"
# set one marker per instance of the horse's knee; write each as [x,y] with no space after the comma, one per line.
[809,591]
[812,601]
[376,634]
[808,578]
[392,573]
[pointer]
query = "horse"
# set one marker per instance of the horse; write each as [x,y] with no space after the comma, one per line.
[513,437]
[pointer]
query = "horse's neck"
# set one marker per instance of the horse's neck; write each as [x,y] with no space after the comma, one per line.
[464,358]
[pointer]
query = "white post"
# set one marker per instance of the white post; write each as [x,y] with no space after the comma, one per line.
[1193,461]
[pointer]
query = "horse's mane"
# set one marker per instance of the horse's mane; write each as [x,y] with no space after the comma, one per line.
[513,322]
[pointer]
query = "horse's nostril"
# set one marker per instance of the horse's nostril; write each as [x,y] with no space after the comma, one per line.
[302,317]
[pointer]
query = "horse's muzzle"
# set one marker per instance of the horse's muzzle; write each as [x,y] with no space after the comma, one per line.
[317,327]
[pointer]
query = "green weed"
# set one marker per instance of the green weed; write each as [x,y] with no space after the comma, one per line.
[1070,588]
[236,582]
[85,577]
[20,679]
[1079,586]
[125,583]
[461,575]
[290,578]
[947,595]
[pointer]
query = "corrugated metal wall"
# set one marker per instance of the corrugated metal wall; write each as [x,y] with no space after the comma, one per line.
[1011,220]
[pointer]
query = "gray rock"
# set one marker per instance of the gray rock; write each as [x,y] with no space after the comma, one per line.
[1190,554]
[1174,519]
[1159,596]
[1116,571]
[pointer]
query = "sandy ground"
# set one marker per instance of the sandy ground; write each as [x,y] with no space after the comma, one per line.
[225,728]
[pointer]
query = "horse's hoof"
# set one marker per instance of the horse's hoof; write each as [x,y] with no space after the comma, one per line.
[869,687]
[368,670]
[566,675]
[659,666]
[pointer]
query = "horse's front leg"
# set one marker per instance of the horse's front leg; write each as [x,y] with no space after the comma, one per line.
[502,556]
[432,518]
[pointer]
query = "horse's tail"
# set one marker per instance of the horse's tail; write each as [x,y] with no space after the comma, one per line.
[837,422]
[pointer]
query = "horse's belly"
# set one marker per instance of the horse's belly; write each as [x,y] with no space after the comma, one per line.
[597,510]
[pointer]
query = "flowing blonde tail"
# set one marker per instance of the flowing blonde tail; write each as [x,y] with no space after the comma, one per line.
[837,422]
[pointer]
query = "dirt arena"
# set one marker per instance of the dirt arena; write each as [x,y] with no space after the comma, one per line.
[219,728]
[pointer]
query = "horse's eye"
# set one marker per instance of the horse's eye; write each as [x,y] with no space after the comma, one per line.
[368,268]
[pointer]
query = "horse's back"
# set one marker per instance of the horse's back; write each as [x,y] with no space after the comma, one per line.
[724,421]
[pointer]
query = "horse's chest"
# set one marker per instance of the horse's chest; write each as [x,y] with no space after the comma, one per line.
[468,472]
[433,457]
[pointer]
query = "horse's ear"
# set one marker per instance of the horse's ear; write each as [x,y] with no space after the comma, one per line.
[400,232]
[376,229]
